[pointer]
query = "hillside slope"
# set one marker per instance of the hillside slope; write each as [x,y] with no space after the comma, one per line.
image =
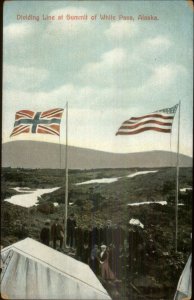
[33,154]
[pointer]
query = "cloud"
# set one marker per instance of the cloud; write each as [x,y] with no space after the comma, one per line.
[150,51]
[15,31]
[155,46]
[163,78]
[86,97]
[165,75]
[121,30]
[106,69]
[158,42]
[109,60]
[139,66]
[25,78]
[115,57]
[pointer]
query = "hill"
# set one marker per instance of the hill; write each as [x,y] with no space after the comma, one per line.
[33,154]
[153,268]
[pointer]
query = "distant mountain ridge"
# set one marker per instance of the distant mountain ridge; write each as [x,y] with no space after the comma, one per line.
[34,154]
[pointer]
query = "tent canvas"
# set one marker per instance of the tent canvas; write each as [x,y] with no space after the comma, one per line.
[184,287]
[31,270]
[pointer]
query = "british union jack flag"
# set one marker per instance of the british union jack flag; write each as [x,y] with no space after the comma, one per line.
[47,122]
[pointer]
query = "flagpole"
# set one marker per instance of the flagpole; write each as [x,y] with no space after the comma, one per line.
[177,183]
[66,179]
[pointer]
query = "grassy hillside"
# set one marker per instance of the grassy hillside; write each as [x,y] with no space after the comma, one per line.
[34,154]
[95,203]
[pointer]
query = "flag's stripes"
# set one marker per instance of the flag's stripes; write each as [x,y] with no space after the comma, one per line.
[160,121]
[48,130]
[52,113]
[122,132]
[162,116]
[24,113]
[144,127]
[127,126]
[48,122]
[20,129]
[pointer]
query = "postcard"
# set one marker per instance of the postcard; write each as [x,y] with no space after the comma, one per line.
[97,147]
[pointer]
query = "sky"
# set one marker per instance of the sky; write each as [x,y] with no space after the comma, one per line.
[107,70]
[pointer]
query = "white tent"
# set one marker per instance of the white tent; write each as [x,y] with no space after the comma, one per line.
[184,289]
[31,270]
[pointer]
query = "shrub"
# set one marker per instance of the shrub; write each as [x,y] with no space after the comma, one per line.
[46,208]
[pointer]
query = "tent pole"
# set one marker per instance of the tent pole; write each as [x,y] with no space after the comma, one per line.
[177,183]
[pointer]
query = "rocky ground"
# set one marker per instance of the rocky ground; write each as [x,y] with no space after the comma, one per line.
[156,276]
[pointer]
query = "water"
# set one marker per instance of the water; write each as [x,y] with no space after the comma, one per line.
[186,189]
[102,180]
[114,179]
[141,173]
[147,202]
[29,197]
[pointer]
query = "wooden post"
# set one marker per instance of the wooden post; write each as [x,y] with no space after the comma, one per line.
[66,179]
[177,183]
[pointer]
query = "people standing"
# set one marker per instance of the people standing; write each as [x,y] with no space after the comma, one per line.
[85,253]
[136,248]
[78,241]
[71,225]
[45,233]
[113,258]
[94,259]
[95,235]
[106,271]
[57,233]
[108,233]
[101,234]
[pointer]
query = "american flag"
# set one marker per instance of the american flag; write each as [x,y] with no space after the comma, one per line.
[160,120]
[47,122]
